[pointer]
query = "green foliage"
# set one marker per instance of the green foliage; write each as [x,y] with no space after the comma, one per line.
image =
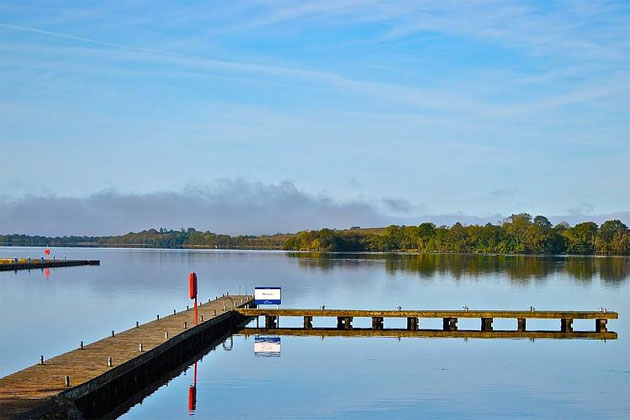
[518,234]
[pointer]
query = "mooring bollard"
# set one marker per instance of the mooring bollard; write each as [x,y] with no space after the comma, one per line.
[110,362]
[81,346]
[112,333]
[165,334]
[185,324]
[137,324]
[67,380]
[158,317]
[200,318]
[214,312]
[41,360]
[140,347]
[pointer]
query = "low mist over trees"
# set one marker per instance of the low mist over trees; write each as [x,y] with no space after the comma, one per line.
[518,234]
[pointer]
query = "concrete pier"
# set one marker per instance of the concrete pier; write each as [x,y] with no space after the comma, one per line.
[105,373]
[24,264]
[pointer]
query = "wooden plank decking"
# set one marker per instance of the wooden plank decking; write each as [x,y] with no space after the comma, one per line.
[356,313]
[25,390]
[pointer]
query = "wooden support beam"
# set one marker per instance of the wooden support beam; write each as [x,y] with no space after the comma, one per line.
[412,323]
[347,323]
[600,325]
[486,324]
[566,325]
[377,323]
[271,321]
[522,324]
[308,322]
[449,324]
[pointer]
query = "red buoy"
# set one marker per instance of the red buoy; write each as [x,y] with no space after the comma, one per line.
[47,251]
[192,279]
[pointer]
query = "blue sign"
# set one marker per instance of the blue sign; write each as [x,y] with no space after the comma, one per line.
[268,295]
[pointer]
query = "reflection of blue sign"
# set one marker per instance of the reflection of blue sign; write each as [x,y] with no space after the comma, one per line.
[267,295]
[267,346]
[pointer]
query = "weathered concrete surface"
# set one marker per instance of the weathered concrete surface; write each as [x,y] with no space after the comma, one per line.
[34,389]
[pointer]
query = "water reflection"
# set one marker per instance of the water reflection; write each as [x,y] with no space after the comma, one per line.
[612,270]
[403,333]
[192,395]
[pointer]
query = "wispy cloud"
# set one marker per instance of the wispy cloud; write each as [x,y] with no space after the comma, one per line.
[424,98]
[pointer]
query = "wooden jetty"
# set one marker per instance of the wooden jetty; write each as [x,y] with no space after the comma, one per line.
[95,378]
[449,318]
[14,264]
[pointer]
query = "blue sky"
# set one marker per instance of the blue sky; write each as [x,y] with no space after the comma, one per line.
[410,108]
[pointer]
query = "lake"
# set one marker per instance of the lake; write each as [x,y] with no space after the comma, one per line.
[48,312]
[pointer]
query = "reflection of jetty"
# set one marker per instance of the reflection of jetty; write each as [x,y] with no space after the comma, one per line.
[12,264]
[402,333]
[99,377]
[449,318]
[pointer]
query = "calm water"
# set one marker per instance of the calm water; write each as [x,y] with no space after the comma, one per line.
[49,312]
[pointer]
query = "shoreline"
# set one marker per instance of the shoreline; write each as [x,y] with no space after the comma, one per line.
[200,248]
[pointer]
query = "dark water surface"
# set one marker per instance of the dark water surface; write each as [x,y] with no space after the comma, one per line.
[50,312]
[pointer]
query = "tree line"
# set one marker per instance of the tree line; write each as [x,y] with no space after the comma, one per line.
[518,234]
[152,238]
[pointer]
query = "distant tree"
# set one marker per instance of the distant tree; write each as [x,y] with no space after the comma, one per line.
[542,221]
[611,238]
[581,238]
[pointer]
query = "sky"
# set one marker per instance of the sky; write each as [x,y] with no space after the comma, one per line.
[268,116]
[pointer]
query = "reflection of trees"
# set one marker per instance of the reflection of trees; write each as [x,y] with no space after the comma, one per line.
[328,261]
[614,270]
[518,268]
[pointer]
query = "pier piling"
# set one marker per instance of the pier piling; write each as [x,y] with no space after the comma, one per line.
[449,324]
[377,322]
[566,325]
[486,324]
[308,322]
[412,323]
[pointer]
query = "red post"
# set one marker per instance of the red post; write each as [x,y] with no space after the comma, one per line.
[192,282]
